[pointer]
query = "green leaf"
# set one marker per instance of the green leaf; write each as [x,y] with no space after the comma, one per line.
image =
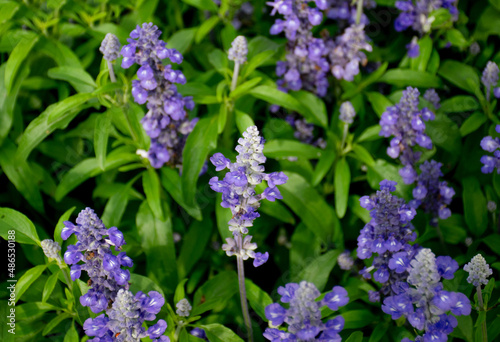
[272,95]
[116,205]
[382,170]
[151,185]
[205,28]
[201,141]
[257,298]
[243,88]
[49,286]
[326,160]
[144,284]
[369,134]
[342,182]
[17,57]
[25,231]
[222,215]
[425,48]
[243,121]
[72,334]
[215,292]
[257,61]
[476,214]
[195,243]
[181,40]
[356,336]
[77,77]
[27,280]
[456,38]
[158,244]
[281,148]
[472,123]
[219,333]
[7,10]
[460,75]
[57,115]
[60,225]
[318,270]
[101,133]
[363,155]
[379,102]
[493,241]
[21,175]
[55,322]
[277,210]
[180,293]
[357,319]
[78,174]
[404,77]
[314,106]
[379,332]
[465,328]
[459,104]
[305,201]
[207,5]
[63,109]
[171,182]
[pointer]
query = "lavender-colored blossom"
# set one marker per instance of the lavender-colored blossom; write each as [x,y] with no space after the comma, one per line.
[417,13]
[405,122]
[490,144]
[422,299]
[345,55]
[345,261]
[166,121]
[124,321]
[304,131]
[347,112]
[474,49]
[200,333]
[51,250]
[303,315]
[110,47]
[387,235]
[345,12]
[431,194]
[183,308]
[101,264]
[413,48]
[490,77]
[238,51]
[238,192]
[478,270]
[492,206]
[496,92]
[431,96]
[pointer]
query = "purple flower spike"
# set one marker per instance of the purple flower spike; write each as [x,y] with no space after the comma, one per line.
[103,267]
[303,315]
[166,122]
[422,299]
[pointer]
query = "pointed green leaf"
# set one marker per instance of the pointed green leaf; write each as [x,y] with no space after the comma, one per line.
[342,182]
[17,57]
[25,230]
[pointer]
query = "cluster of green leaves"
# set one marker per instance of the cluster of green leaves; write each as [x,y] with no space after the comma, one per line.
[69,136]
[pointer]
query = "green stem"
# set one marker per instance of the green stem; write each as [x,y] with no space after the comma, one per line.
[112,76]
[236,71]
[180,325]
[359,11]
[243,292]
[482,308]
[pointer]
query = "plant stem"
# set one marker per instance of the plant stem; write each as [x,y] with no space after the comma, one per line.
[359,11]
[482,308]
[236,71]
[178,330]
[111,72]
[344,137]
[243,291]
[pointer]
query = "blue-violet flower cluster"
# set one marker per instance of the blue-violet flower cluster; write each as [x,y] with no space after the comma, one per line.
[423,300]
[490,78]
[478,270]
[387,235]
[238,192]
[303,315]
[491,144]
[405,122]
[101,264]
[124,321]
[166,121]
[431,194]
